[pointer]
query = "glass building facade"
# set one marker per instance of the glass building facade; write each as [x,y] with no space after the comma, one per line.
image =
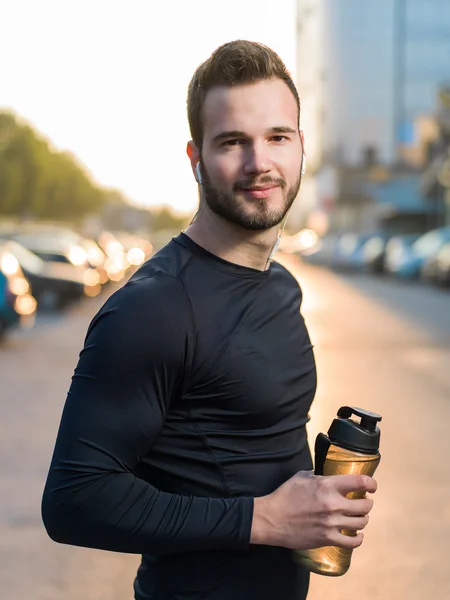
[377,68]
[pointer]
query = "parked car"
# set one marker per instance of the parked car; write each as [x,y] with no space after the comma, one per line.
[117,263]
[138,249]
[412,259]
[96,258]
[441,266]
[374,252]
[396,249]
[349,255]
[69,248]
[54,284]
[17,304]
[428,270]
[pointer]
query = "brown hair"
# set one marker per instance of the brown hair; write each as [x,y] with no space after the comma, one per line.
[235,63]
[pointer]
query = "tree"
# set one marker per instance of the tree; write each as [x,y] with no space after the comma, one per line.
[37,181]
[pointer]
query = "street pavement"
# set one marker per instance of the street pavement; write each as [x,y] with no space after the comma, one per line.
[385,346]
[35,370]
[380,345]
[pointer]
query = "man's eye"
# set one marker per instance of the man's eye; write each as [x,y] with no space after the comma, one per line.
[279,138]
[233,142]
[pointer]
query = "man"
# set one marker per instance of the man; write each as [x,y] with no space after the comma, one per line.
[183,435]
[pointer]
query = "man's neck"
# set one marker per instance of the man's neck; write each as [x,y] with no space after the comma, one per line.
[231,242]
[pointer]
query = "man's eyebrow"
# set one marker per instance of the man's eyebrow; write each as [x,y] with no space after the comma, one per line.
[229,134]
[281,130]
[241,134]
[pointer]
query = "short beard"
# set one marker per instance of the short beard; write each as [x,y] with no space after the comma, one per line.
[228,207]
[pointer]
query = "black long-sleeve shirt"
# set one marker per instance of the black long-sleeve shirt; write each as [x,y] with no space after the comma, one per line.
[190,398]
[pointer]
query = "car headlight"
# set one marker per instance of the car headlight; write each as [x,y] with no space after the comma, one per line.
[19,286]
[95,256]
[136,256]
[78,256]
[25,305]
[91,277]
[9,264]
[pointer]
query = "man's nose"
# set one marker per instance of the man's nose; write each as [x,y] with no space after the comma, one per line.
[257,160]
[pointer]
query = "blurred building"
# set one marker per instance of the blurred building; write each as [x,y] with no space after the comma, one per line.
[368,75]
[435,180]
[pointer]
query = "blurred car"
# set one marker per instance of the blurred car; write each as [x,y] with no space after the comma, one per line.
[117,263]
[349,251]
[409,262]
[396,248]
[54,284]
[17,304]
[428,270]
[437,269]
[96,258]
[137,248]
[50,244]
[69,248]
[374,252]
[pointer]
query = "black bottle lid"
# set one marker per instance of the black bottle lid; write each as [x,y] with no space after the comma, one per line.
[361,437]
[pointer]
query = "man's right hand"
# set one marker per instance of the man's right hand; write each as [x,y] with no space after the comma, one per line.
[309,511]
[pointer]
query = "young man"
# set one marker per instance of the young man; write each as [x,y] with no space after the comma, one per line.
[183,435]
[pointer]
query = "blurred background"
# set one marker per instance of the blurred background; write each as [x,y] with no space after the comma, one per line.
[94,180]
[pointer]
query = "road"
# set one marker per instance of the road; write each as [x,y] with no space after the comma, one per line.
[380,345]
[385,346]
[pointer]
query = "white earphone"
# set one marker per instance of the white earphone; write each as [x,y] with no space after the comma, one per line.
[278,240]
[303,169]
[199,175]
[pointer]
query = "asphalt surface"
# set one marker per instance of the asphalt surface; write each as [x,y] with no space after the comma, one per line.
[385,346]
[379,344]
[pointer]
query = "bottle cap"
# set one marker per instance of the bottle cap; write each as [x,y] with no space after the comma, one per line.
[361,437]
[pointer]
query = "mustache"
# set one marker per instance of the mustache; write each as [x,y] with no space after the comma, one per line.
[258,182]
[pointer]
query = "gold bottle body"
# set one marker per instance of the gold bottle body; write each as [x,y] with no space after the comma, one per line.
[332,560]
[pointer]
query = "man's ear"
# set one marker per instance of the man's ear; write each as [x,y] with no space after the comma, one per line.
[194,157]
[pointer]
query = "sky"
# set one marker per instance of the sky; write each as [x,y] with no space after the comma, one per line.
[107,79]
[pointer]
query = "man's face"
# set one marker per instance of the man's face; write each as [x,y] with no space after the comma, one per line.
[252,153]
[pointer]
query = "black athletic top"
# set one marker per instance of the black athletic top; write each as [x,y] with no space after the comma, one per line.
[190,398]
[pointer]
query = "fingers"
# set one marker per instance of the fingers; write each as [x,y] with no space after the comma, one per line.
[354,523]
[358,507]
[346,484]
[346,541]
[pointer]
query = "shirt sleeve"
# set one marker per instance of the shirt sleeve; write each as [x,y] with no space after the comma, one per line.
[132,365]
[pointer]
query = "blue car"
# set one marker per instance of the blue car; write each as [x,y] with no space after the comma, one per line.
[413,257]
[350,251]
[16,302]
[397,248]
[8,316]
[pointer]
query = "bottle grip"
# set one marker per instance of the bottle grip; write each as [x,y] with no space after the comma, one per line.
[320,451]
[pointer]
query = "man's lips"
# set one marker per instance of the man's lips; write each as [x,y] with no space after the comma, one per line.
[260,191]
